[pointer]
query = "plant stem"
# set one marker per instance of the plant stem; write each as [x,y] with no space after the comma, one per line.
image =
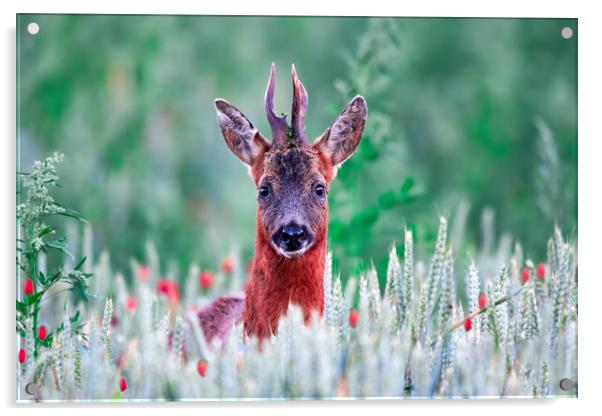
[480,311]
[36,305]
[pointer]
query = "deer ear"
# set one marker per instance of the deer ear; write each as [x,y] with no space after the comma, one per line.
[242,138]
[340,140]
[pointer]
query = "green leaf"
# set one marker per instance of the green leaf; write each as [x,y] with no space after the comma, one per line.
[367,150]
[74,216]
[45,231]
[32,299]
[59,244]
[50,280]
[337,229]
[20,331]
[79,288]
[22,308]
[387,200]
[406,186]
[69,213]
[80,263]
[366,217]
[47,341]
[75,317]
[408,199]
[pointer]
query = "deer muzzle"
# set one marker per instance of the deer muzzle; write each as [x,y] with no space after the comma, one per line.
[292,240]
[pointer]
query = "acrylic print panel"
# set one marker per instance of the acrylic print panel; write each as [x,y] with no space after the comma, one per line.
[394,216]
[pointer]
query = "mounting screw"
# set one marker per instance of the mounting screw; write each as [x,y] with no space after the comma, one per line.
[33,389]
[566,32]
[566,384]
[33,28]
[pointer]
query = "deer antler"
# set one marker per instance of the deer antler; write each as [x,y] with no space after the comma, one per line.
[277,123]
[299,107]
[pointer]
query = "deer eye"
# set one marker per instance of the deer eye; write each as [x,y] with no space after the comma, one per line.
[264,191]
[320,190]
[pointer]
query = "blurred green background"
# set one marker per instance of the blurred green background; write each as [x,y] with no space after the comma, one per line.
[464,114]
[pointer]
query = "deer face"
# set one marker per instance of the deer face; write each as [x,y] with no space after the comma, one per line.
[292,176]
[291,198]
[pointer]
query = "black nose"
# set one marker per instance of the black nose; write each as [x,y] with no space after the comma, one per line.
[291,237]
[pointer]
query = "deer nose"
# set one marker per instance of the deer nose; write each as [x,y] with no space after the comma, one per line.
[291,237]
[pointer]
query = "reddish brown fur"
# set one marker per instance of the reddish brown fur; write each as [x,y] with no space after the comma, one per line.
[217,318]
[292,177]
[276,281]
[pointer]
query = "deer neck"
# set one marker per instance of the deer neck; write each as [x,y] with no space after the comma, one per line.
[277,281]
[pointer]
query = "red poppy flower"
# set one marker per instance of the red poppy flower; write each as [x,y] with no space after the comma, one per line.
[202,367]
[482,301]
[42,333]
[130,304]
[206,280]
[227,265]
[353,318]
[170,289]
[468,324]
[143,273]
[541,271]
[28,287]
[524,276]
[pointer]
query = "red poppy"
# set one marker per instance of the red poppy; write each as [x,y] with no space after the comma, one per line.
[143,273]
[42,333]
[353,318]
[28,287]
[130,304]
[170,289]
[468,324]
[227,265]
[202,367]
[206,280]
[524,277]
[482,301]
[541,271]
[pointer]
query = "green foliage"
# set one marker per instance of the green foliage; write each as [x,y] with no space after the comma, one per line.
[36,237]
[354,217]
[482,110]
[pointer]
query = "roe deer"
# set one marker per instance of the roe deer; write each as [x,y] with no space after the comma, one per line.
[292,178]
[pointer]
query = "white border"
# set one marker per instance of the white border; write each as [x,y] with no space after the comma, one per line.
[590,209]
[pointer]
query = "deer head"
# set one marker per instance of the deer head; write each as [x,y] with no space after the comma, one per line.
[292,175]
